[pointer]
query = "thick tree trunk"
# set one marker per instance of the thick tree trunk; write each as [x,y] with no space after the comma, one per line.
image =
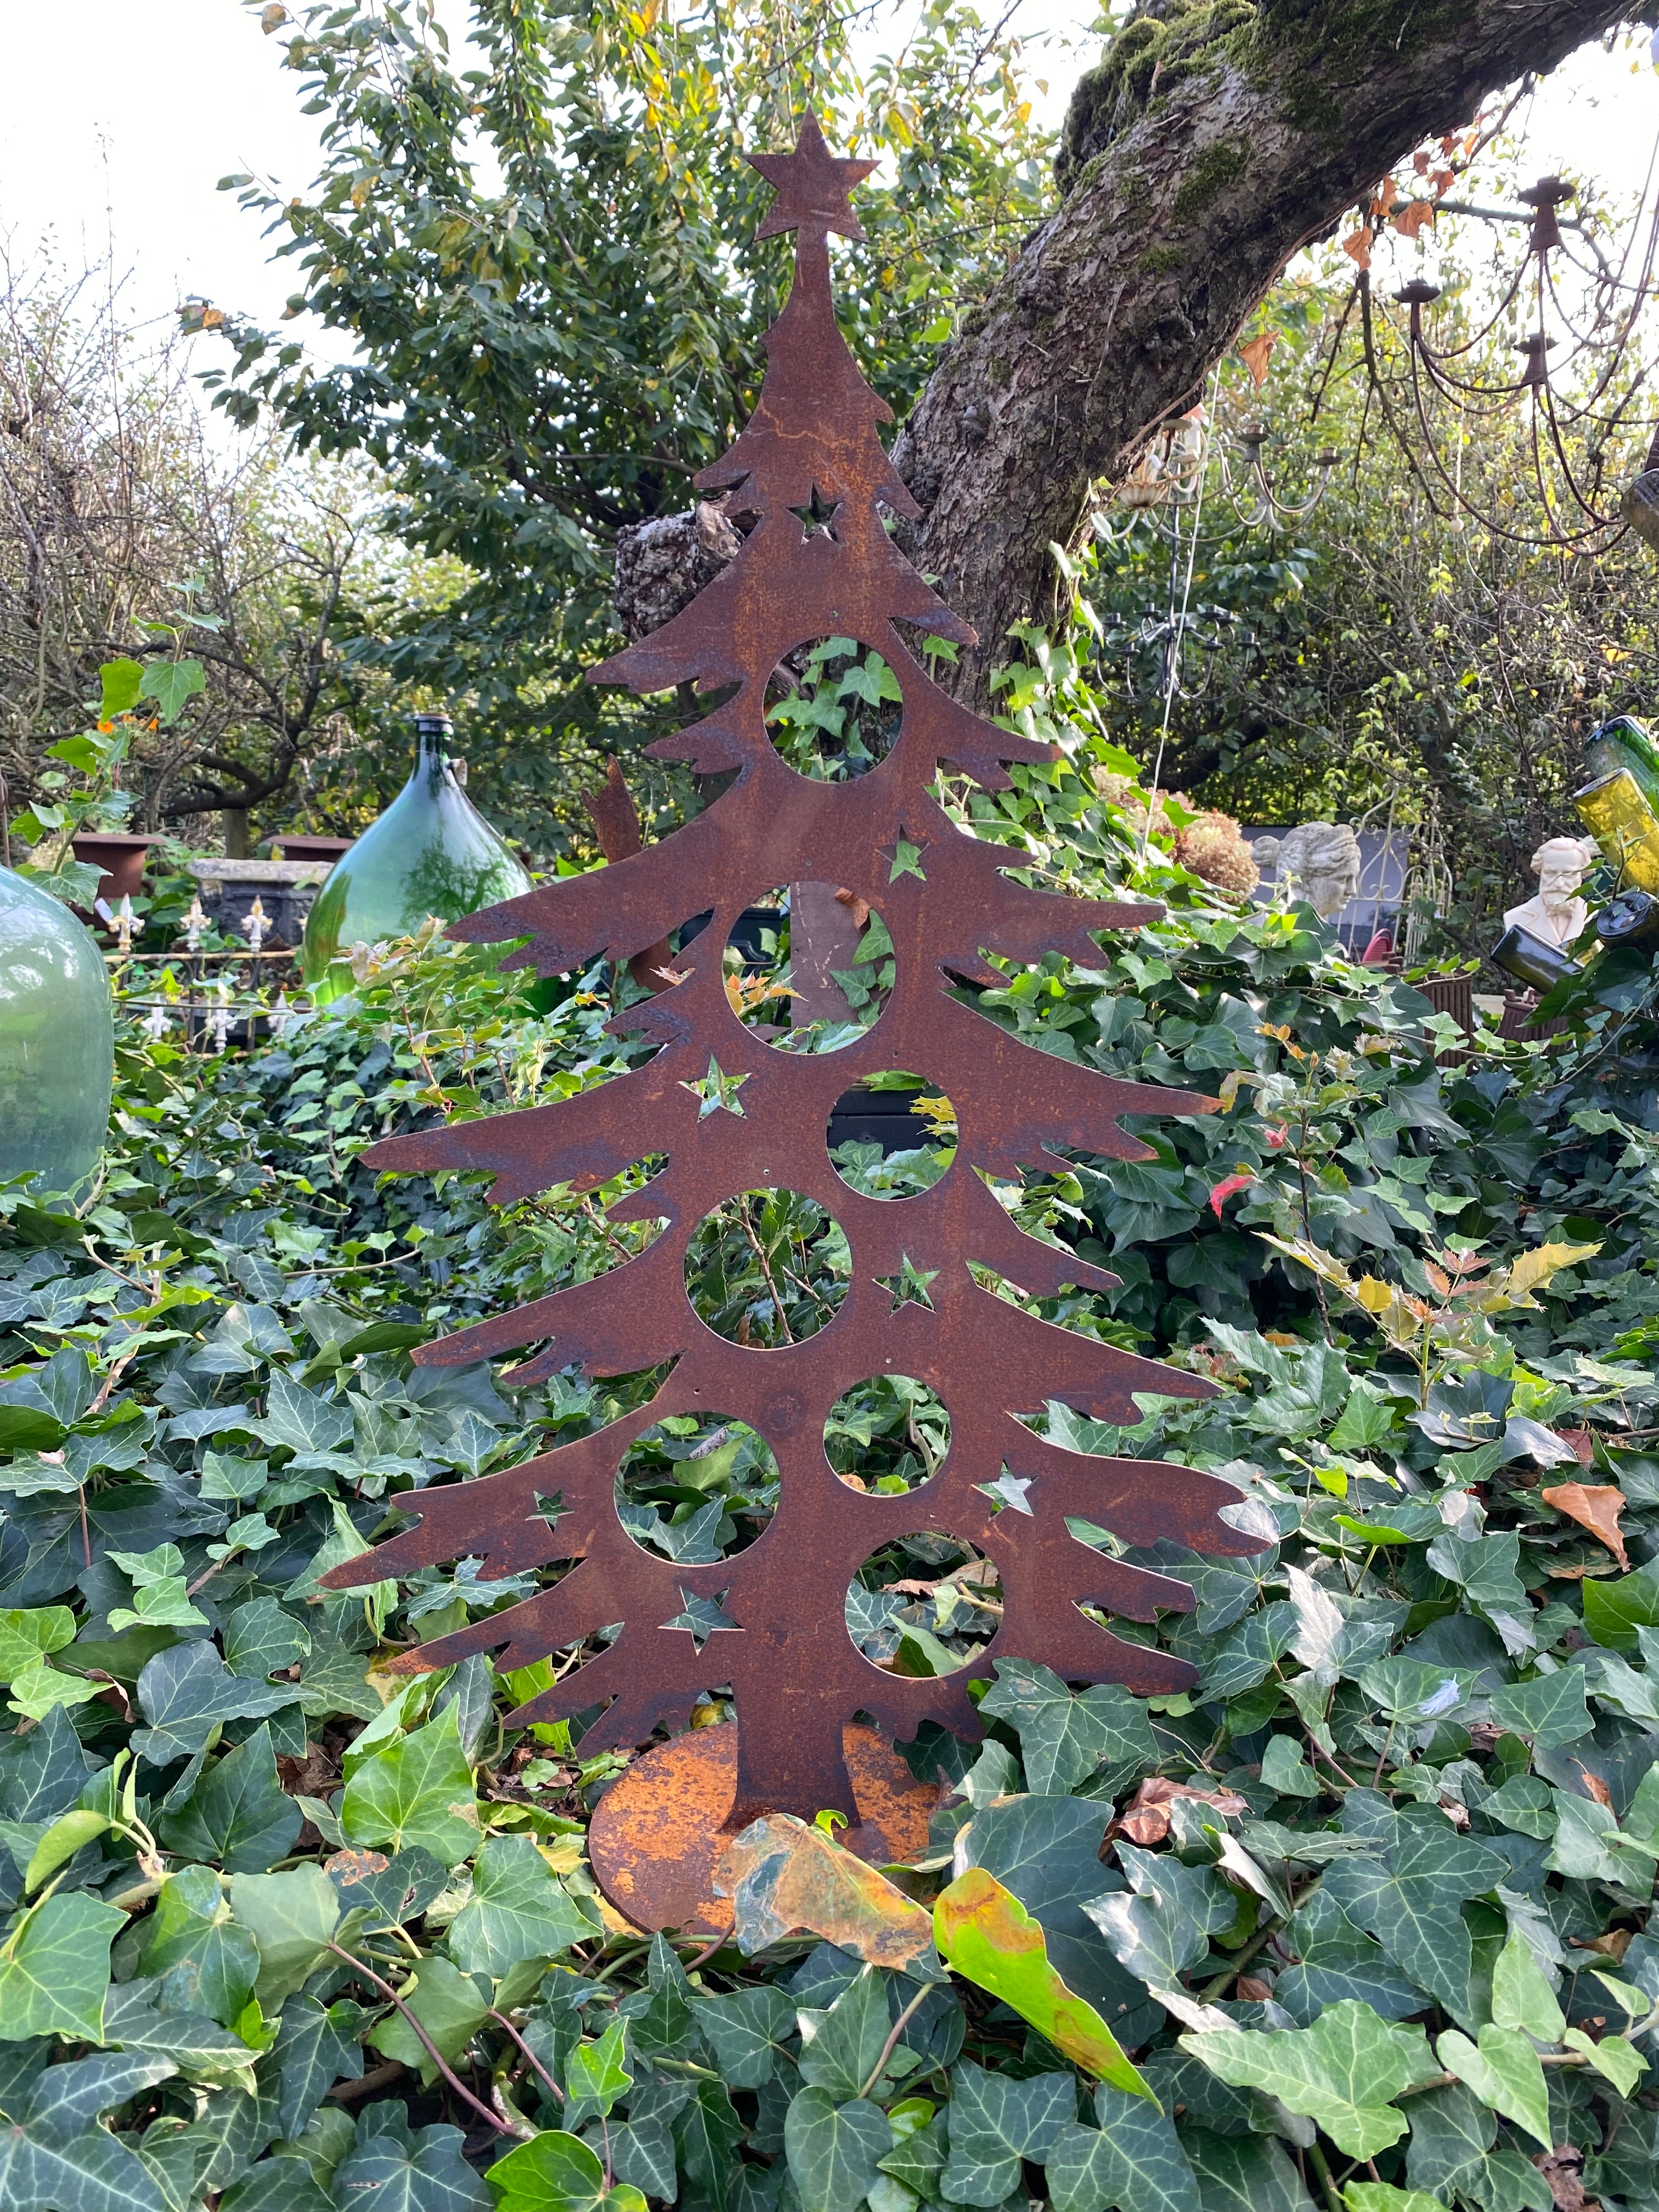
[1175,228]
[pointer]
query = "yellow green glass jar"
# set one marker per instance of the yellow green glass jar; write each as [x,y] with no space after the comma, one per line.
[430,852]
[57,1040]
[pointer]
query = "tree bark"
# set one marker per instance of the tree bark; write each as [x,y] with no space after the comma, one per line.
[1181,214]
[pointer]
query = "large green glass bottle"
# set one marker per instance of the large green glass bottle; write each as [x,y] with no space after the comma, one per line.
[57,1040]
[430,852]
[1623,743]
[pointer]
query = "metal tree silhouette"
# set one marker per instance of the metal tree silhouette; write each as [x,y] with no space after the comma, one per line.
[809,474]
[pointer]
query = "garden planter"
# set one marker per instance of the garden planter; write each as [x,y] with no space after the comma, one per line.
[284,889]
[121,859]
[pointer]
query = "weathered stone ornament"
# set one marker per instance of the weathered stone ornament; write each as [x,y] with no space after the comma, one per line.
[732,1113]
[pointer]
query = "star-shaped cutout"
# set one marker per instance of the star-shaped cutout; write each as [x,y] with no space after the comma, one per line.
[910,1286]
[1009,1491]
[703,1616]
[717,1090]
[817,518]
[811,184]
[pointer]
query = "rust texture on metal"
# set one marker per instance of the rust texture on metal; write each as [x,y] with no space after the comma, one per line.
[795,1674]
[657,1833]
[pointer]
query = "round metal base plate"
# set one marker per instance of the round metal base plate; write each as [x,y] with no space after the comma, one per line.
[657,1833]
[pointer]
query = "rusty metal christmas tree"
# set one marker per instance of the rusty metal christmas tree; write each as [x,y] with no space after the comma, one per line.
[809,476]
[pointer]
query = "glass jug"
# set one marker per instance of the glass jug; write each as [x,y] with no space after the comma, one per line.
[430,852]
[57,1040]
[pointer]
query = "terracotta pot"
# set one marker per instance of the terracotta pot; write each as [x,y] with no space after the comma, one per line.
[121,859]
[310,848]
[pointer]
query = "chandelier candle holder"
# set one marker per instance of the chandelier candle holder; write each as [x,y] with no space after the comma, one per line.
[733,1113]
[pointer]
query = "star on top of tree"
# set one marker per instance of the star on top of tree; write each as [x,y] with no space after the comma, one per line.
[811,184]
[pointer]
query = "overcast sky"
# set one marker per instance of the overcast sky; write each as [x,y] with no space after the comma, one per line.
[119,121]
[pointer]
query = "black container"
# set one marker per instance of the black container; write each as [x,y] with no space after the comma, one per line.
[1519,953]
[1632,918]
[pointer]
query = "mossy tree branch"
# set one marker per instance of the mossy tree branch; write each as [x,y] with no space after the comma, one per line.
[1211,145]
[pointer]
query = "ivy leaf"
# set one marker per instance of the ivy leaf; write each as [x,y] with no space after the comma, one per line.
[1503,2072]
[300,1418]
[260,1639]
[783,1874]
[446,2003]
[707,2133]
[1341,2072]
[596,2071]
[53,2154]
[996,2121]
[1337,1961]
[746,2032]
[841,2047]
[205,1964]
[292,1917]
[316,2046]
[42,1773]
[27,1635]
[1409,1898]
[1133,2160]
[1166,1926]
[1246,2173]
[1047,1851]
[1383,2196]
[518,1910]
[556,2171]
[1062,1738]
[1520,1997]
[417,1791]
[185,1693]
[391,2171]
[198,2047]
[237,1816]
[988,1936]
[1550,1709]
[171,684]
[54,1969]
[832,2149]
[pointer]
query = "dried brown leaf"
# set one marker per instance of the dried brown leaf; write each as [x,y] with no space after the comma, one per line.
[1146,1819]
[1257,353]
[1596,1506]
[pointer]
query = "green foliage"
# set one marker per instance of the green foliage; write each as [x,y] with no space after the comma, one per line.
[545,346]
[1380,1862]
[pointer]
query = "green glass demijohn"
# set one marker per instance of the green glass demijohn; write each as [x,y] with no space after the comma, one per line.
[57,1040]
[430,852]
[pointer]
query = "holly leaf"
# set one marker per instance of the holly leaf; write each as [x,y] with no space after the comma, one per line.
[1132,2159]
[54,1969]
[292,1917]
[419,1792]
[237,1816]
[833,2149]
[988,1936]
[1063,1738]
[1342,2071]
[518,1910]
[1503,2072]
